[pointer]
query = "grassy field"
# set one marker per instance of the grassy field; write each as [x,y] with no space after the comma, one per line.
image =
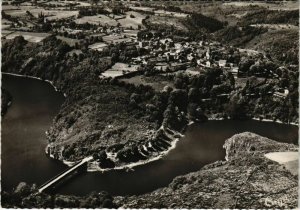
[69,41]
[156,82]
[97,19]
[115,38]
[67,3]
[167,13]
[119,69]
[287,5]
[5,24]
[147,9]
[49,14]
[15,12]
[98,46]
[130,33]
[58,14]
[133,21]
[29,36]
[276,26]
[5,32]
[167,21]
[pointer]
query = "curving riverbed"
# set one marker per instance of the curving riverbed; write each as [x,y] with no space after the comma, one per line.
[36,103]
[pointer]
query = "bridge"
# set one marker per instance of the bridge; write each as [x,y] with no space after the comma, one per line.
[58,178]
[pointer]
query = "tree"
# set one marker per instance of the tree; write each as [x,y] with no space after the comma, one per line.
[179,98]
[102,156]
[245,64]
[237,107]
[195,113]
[95,2]
[194,95]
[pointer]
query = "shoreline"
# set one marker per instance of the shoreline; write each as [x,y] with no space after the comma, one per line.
[258,119]
[94,165]
[38,78]
[277,121]
[191,122]
[133,165]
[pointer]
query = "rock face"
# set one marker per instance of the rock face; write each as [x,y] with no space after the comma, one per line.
[246,180]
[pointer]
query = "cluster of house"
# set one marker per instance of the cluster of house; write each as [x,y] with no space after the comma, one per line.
[166,54]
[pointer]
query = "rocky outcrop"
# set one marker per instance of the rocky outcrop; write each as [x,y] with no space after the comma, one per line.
[250,143]
[246,180]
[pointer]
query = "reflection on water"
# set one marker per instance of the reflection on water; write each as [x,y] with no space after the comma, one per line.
[35,103]
[23,139]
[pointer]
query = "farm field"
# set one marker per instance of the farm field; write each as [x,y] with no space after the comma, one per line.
[5,24]
[167,21]
[98,46]
[120,69]
[49,14]
[15,12]
[167,13]
[130,33]
[115,38]
[29,36]
[67,3]
[58,14]
[276,26]
[157,83]
[133,20]
[69,41]
[97,19]
[147,9]
[288,5]
[5,32]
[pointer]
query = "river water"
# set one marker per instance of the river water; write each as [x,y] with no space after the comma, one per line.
[35,103]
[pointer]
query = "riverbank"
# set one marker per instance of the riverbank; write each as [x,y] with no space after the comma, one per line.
[277,121]
[87,180]
[238,182]
[32,77]
[93,166]
[110,117]
[258,119]
[173,141]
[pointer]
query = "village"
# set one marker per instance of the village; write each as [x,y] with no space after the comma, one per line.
[96,27]
[109,103]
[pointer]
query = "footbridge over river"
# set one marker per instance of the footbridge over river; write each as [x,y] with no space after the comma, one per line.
[60,177]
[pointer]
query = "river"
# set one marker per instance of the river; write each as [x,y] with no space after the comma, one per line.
[34,105]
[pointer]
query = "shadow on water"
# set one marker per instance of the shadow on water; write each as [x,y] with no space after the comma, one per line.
[68,178]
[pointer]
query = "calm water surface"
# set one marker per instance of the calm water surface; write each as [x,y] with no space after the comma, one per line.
[35,103]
